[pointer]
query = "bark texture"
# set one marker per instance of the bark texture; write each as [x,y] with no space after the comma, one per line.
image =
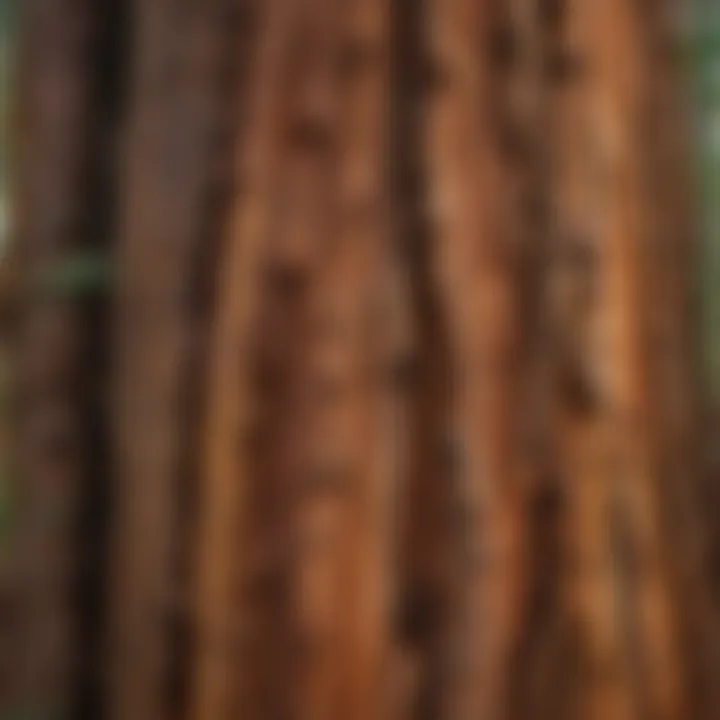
[402,410]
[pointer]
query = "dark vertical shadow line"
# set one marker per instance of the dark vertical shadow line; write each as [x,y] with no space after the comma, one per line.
[110,54]
[422,597]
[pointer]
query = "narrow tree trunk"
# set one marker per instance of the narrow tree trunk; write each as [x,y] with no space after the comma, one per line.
[57,114]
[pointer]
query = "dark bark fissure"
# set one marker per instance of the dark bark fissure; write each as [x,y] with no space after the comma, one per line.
[110,50]
[423,598]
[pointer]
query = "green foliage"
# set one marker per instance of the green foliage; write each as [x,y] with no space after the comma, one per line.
[74,276]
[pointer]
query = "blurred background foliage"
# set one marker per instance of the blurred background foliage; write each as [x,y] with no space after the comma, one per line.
[7,25]
[704,69]
[8,10]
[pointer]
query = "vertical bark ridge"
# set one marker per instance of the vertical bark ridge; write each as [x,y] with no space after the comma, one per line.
[621,72]
[343,521]
[624,600]
[573,280]
[300,230]
[365,241]
[471,192]
[220,580]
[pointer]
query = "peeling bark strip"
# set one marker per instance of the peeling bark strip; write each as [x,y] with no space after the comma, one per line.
[167,168]
[56,117]
[470,189]
[229,418]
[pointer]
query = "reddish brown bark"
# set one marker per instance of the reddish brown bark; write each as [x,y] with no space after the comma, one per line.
[624,598]
[222,622]
[470,196]
[443,449]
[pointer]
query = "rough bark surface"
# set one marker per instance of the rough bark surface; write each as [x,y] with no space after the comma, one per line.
[404,417]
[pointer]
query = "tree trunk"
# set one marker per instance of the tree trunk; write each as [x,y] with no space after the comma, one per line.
[404,417]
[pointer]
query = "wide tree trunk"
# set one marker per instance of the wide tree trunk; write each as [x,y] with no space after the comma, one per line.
[390,407]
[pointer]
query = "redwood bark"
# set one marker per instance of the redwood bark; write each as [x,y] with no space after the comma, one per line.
[471,204]
[625,600]
[229,410]
[428,373]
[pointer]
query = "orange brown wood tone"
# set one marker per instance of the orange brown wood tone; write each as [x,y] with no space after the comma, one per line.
[392,398]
